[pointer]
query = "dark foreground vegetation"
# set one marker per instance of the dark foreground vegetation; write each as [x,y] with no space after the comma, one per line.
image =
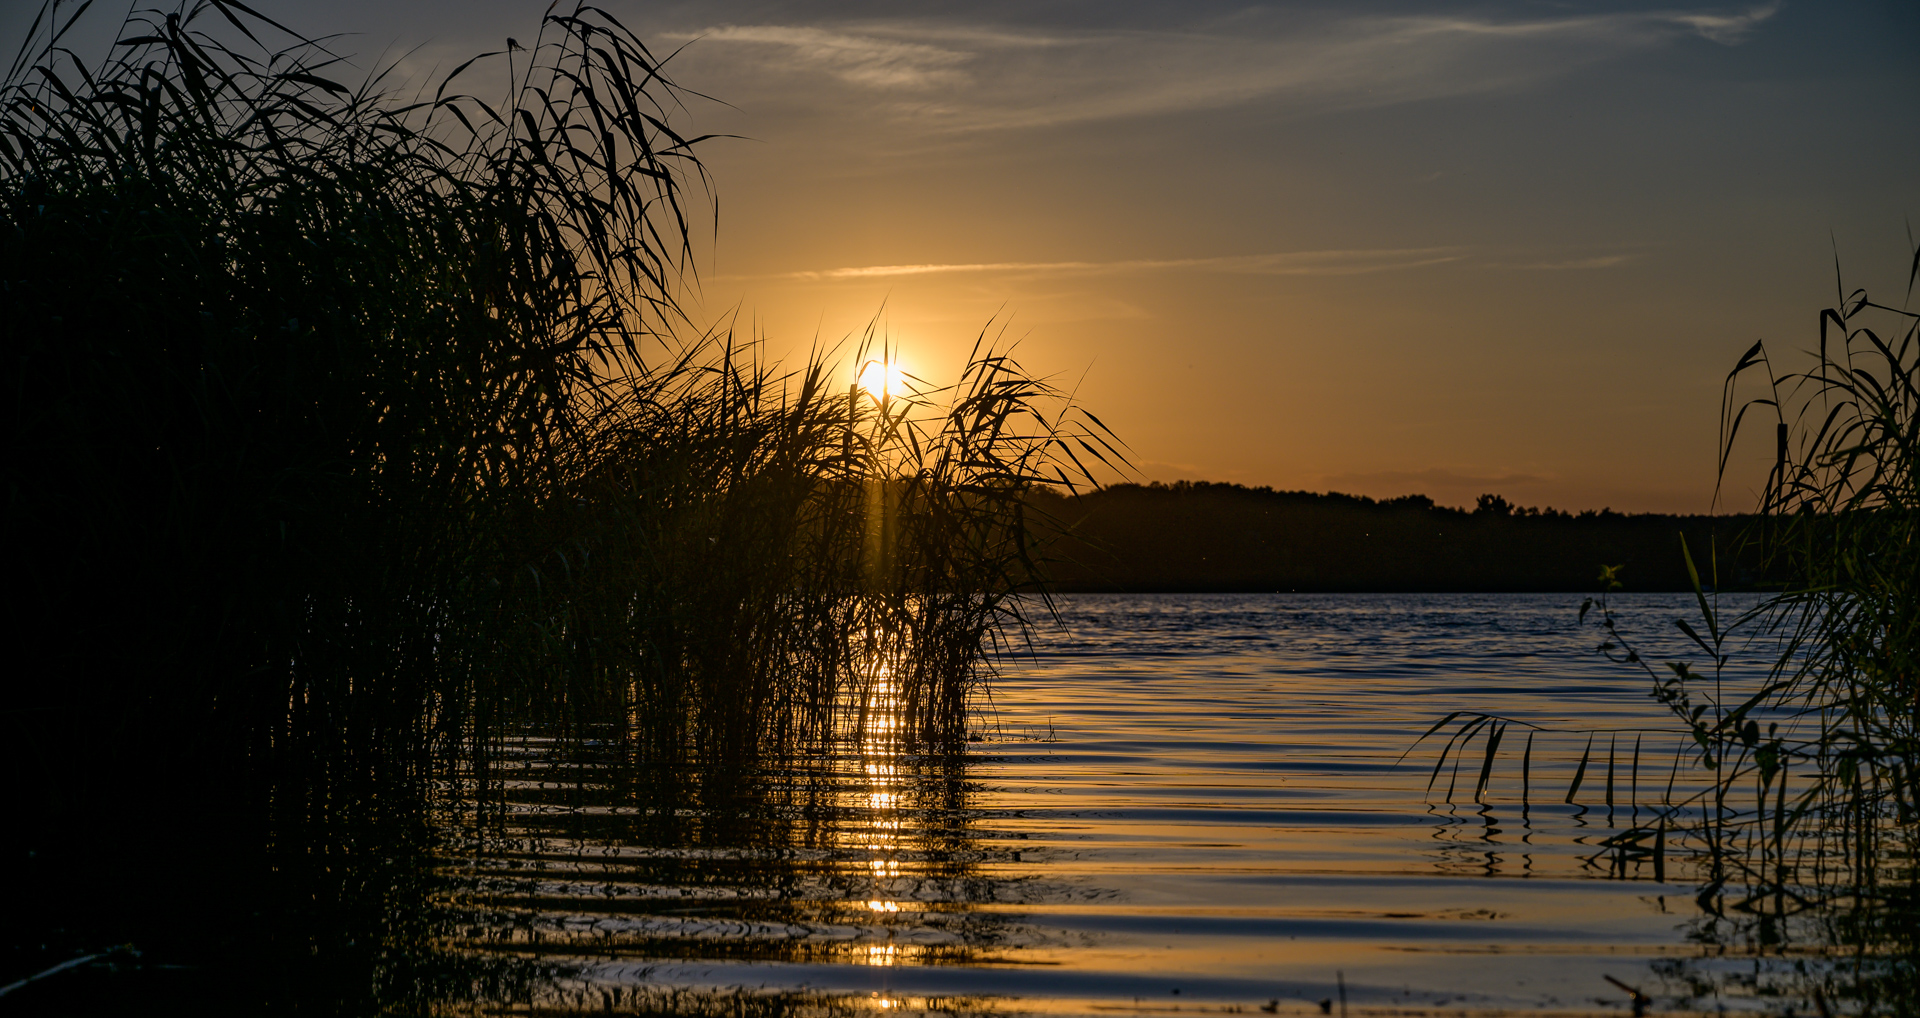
[353,437]
[1225,537]
[352,432]
[1805,833]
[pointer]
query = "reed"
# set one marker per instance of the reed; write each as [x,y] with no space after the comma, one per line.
[300,367]
[353,433]
[1806,829]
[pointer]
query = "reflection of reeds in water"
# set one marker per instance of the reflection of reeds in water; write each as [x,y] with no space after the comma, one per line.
[1801,821]
[1779,872]
[858,854]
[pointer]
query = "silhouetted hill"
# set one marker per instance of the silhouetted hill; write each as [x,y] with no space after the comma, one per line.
[1200,536]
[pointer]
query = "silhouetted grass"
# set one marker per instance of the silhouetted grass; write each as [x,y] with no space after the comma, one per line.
[352,433]
[1803,822]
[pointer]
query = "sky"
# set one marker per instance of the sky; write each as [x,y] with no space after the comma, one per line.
[1379,248]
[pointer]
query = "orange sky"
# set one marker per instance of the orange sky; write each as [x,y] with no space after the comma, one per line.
[1375,248]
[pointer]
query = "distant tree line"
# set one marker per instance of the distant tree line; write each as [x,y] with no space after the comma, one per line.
[1202,536]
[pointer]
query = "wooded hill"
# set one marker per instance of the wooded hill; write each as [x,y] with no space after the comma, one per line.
[1200,536]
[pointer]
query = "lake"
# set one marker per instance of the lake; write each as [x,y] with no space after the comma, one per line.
[1177,802]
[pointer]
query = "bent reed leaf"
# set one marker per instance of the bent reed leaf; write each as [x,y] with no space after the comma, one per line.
[1580,772]
[1486,765]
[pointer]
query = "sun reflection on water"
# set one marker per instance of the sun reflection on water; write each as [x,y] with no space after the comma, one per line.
[875,831]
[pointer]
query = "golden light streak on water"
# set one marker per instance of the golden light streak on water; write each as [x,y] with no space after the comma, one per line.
[876,835]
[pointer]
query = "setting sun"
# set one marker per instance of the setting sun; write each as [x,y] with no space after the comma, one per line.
[882,379]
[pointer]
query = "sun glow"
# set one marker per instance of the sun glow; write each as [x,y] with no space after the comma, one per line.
[883,378]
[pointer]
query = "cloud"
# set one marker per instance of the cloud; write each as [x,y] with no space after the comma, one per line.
[867,60]
[1295,263]
[1726,29]
[969,78]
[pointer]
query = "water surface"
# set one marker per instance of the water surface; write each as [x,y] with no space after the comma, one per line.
[1177,801]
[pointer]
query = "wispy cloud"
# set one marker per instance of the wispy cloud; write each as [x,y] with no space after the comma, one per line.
[1726,29]
[1293,263]
[963,78]
[868,60]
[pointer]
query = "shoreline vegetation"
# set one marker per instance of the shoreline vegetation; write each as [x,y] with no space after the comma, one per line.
[1191,537]
[1800,715]
[355,435]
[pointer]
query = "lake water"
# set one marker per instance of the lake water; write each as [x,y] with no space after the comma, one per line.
[1192,802]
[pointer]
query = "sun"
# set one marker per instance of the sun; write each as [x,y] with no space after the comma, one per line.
[882,379]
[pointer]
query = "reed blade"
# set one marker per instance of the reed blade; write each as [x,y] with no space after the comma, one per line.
[1580,772]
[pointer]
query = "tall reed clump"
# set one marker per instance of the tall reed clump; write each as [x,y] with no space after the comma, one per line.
[1841,525]
[294,367]
[1836,781]
[350,432]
